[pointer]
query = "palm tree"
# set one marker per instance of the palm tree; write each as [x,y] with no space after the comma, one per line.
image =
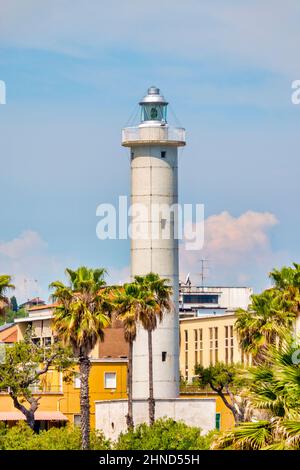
[287,282]
[5,284]
[127,304]
[268,319]
[82,313]
[152,284]
[274,392]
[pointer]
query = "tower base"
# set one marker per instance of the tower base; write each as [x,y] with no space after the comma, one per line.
[110,414]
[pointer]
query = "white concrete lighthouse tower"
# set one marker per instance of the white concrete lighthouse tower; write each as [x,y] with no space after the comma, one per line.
[154,247]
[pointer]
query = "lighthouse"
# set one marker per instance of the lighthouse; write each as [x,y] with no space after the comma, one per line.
[153,147]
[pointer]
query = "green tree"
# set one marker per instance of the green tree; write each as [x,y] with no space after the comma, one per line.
[14,303]
[274,392]
[10,314]
[22,370]
[164,434]
[127,306]
[159,294]
[5,285]
[287,281]
[227,380]
[82,314]
[267,320]
[21,437]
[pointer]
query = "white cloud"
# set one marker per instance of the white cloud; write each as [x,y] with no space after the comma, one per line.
[28,260]
[238,250]
[25,244]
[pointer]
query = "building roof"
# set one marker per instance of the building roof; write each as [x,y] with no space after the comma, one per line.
[34,301]
[9,333]
[27,319]
[42,307]
[39,416]
[5,326]
[205,316]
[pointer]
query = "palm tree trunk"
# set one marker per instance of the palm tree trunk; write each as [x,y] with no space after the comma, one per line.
[151,394]
[84,368]
[129,416]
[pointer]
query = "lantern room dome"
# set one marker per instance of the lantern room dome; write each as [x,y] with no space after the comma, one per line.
[153,96]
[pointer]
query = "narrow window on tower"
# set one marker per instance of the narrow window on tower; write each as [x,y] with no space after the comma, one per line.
[132,155]
[163,154]
[164,356]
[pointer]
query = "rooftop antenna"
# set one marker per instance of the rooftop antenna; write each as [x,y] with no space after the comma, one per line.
[204,269]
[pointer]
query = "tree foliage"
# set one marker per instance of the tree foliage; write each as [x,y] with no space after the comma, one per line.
[80,317]
[5,286]
[23,368]
[164,434]
[271,314]
[158,293]
[274,391]
[21,437]
[228,381]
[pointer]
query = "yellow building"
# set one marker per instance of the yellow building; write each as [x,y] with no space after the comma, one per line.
[207,339]
[60,400]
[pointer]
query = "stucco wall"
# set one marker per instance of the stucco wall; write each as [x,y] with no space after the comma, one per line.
[110,415]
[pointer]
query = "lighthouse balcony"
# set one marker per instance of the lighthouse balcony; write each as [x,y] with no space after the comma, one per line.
[160,135]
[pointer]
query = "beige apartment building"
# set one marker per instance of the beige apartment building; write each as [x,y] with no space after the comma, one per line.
[207,334]
[208,340]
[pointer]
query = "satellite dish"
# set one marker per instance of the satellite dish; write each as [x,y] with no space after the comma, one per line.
[188,281]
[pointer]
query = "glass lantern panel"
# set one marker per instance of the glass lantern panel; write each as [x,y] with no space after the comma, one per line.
[153,112]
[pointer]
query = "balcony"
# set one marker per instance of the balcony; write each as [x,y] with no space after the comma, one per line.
[160,135]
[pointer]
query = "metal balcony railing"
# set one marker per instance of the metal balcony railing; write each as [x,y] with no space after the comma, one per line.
[160,134]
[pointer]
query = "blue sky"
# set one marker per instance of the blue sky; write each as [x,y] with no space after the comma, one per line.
[74,72]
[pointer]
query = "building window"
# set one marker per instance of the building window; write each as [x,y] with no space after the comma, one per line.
[200,299]
[198,338]
[36,341]
[196,346]
[163,154]
[186,354]
[213,345]
[110,380]
[218,421]
[201,346]
[77,380]
[229,344]
[47,342]
[77,420]
[164,356]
